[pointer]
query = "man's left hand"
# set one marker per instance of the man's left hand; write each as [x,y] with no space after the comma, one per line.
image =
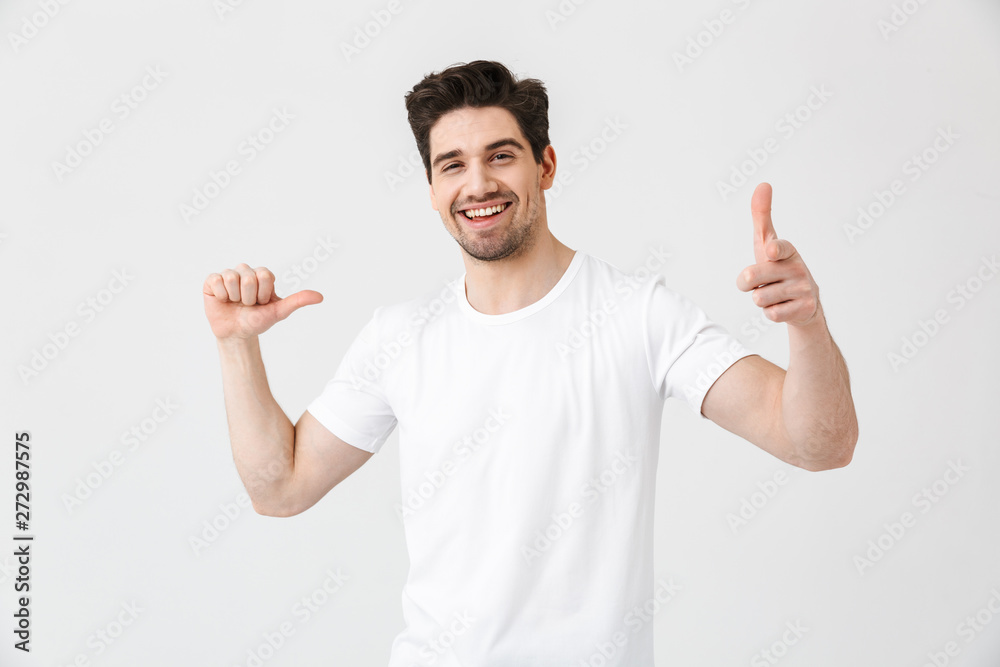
[780,281]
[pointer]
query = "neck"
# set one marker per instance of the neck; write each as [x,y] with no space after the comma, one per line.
[515,282]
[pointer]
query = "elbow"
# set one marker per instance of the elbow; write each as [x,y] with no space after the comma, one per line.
[837,453]
[275,508]
[264,510]
[830,463]
[273,495]
[280,512]
[846,450]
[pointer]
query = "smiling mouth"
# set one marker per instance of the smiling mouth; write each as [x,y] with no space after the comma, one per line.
[482,213]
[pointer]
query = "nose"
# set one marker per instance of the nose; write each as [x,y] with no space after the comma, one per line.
[481,182]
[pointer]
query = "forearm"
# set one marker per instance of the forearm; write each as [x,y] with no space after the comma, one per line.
[261,435]
[817,409]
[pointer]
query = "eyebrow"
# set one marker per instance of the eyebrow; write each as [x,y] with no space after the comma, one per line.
[507,141]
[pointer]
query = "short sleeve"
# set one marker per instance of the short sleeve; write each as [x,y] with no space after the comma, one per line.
[353,405]
[685,350]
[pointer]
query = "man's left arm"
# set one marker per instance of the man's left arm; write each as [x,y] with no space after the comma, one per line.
[804,416]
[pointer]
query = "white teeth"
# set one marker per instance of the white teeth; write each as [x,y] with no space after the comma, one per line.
[480,212]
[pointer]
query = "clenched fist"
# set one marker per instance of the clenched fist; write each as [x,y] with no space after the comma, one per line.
[241,303]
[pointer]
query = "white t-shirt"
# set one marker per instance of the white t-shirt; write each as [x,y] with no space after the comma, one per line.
[528,447]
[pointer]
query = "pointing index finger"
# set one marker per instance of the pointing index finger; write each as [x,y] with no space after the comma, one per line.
[763,228]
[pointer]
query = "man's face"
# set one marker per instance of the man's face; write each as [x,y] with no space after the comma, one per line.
[480,159]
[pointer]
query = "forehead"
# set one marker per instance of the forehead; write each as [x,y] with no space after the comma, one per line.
[469,129]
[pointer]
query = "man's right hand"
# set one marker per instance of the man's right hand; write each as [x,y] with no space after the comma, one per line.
[241,303]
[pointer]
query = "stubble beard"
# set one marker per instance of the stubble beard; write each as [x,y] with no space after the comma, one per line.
[502,241]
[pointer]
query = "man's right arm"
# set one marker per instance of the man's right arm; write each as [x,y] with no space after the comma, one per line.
[286,469]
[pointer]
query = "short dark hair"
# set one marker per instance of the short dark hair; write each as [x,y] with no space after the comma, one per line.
[481,83]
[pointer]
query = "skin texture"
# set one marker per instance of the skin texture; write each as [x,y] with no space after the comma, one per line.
[515,262]
[286,469]
[804,416]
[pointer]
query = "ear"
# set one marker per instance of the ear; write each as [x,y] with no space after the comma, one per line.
[548,168]
[430,188]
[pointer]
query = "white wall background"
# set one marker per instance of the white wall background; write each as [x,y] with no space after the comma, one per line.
[63,235]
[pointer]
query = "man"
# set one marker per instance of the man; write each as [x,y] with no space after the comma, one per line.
[529,399]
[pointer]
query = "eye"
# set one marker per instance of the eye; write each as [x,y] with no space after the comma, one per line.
[503,154]
[453,164]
